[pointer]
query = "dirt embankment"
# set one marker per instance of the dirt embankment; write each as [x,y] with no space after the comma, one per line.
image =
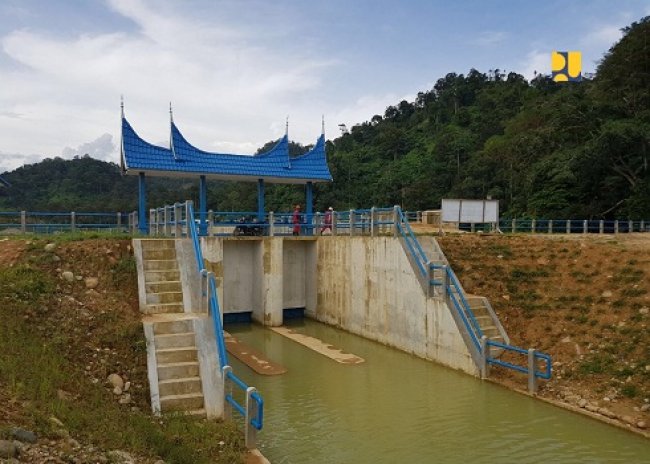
[71,320]
[584,300]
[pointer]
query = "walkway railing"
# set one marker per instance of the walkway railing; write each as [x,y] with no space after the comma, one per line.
[457,302]
[168,220]
[44,222]
[253,409]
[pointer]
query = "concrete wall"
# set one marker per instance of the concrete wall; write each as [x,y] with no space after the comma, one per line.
[367,286]
[239,283]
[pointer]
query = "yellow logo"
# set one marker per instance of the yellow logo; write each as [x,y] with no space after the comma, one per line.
[566,66]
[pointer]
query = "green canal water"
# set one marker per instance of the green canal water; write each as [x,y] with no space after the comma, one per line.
[397,408]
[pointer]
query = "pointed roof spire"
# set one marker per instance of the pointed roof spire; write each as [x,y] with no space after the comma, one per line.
[122,105]
[171,113]
[322,125]
[286,130]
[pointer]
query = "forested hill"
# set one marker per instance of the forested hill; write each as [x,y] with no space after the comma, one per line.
[543,149]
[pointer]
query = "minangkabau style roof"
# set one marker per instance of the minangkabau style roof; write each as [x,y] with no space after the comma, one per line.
[184,160]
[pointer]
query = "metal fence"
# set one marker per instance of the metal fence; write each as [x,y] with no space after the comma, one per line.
[22,222]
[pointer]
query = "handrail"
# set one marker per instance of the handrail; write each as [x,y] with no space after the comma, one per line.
[456,295]
[258,420]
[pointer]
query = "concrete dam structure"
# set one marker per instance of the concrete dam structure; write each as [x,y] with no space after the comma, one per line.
[365,285]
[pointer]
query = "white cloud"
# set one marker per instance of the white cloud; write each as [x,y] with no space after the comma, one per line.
[228,89]
[101,148]
[489,38]
[536,62]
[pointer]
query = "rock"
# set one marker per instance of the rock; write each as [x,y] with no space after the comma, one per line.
[642,425]
[63,395]
[56,258]
[117,391]
[592,408]
[67,276]
[566,339]
[120,457]
[127,385]
[92,282]
[606,294]
[8,449]
[125,399]
[50,247]
[506,297]
[542,261]
[628,420]
[582,403]
[116,380]
[74,443]
[645,408]
[78,277]
[607,399]
[23,435]
[56,422]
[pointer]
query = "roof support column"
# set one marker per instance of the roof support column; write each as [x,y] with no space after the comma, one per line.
[309,208]
[143,227]
[260,200]
[203,206]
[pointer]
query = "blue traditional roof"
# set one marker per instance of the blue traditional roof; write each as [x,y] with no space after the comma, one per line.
[183,159]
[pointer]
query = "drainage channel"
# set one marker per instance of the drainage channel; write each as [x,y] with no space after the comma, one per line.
[396,408]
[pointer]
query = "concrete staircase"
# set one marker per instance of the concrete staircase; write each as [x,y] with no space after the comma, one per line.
[174,335]
[162,283]
[480,306]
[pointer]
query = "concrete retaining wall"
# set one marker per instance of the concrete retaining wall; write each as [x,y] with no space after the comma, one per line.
[367,286]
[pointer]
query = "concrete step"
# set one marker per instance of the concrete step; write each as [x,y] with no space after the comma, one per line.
[148,244]
[490,331]
[165,308]
[176,340]
[162,276]
[159,253]
[178,370]
[187,402]
[164,297]
[163,286]
[181,386]
[173,327]
[174,355]
[160,265]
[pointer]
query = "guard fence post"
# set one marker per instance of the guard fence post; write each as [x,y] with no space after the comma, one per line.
[429,277]
[550,226]
[178,223]
[334,221]
[373,220]
[533,223]
[630,227]
[251,411]
[616,226]
[23,221]
[395,221]
[484,357]
[601,227]
[532,378]
[227,392]
[568,226]
[271,222]
[352,220]
[585,227]
[73,220]
[514,226]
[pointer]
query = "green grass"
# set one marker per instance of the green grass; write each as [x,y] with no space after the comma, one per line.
[33,369]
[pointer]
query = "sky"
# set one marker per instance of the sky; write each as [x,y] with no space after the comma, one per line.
[235,70]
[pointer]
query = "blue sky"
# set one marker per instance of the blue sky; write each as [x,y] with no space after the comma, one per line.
[235,69]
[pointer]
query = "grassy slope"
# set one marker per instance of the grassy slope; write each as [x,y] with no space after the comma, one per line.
[581,300]
[59,341]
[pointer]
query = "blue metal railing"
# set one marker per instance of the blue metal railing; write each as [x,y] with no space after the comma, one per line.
[456,296]
[258,420]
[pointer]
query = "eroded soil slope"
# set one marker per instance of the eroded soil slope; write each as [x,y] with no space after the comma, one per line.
[584,300]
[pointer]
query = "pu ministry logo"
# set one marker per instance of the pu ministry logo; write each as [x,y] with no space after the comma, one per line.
[566,66]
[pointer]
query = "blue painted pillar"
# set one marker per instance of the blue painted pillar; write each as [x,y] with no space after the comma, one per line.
[260,200]
[203,206]
[143,227]
[309,207]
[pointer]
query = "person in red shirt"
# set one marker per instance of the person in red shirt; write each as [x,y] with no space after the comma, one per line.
[296,220]
[327,222]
